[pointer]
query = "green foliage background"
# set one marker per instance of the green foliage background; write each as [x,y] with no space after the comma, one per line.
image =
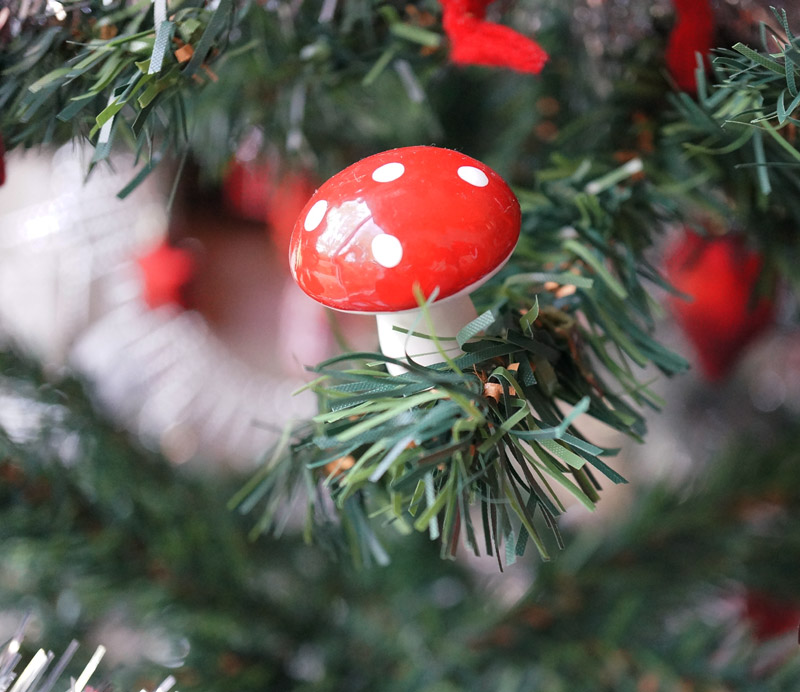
[124,537]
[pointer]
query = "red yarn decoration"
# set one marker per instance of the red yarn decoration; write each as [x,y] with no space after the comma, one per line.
[474,41]
[693,33]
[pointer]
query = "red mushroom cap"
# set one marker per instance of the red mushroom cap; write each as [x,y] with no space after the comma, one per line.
[421,215]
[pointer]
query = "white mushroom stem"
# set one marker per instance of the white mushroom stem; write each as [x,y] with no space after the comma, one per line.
[447,317]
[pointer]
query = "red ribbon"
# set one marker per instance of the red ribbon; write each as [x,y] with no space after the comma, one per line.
[474,41]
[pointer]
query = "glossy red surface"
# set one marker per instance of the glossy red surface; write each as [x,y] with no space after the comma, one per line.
[413,215]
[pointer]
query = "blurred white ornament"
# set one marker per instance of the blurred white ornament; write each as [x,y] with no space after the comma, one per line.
[173,382]
[71,294]
[61,236]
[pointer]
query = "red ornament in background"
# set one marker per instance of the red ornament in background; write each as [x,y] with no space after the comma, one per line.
[720,274]
[253,191]
[693,33]
[285,204]
[165,272]
[246,187]
[770,618]
[474,41]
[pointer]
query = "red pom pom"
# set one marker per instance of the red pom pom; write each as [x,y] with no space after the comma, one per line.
[693,33]
[165,272]
[474,41]
[723,317]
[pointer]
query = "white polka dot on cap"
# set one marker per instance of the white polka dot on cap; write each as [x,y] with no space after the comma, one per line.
[473,176]
[315,215]
[387,250]
[388,172]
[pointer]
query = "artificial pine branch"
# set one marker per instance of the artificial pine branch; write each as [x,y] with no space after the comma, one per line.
[649,599]
[105,72]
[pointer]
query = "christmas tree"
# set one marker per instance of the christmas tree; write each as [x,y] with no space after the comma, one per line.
[583,482]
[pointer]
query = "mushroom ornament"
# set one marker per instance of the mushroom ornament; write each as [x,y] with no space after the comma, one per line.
[416,216]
